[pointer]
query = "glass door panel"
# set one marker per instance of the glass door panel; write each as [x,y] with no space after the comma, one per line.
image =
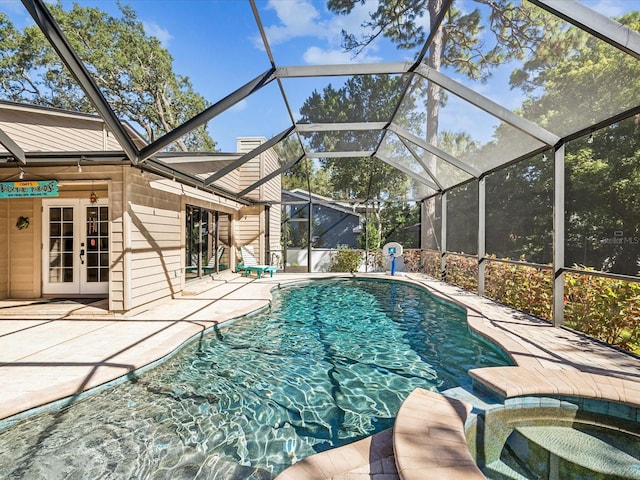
[61,245]
[94,249]
[97,244]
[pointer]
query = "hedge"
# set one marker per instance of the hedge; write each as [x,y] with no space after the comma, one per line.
[604,308]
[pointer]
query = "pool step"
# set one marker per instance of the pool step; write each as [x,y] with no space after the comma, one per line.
[427,441]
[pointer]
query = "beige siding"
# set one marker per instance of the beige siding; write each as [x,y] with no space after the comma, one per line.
[146,212]
[249,232]
[117,251]
[224,231]
[246,144]
[229,182]
[155,241]
[24,249]
[249,174]
[254,169]
[35,131]
[275,228]
[4,248]
[271,190]
[250,229]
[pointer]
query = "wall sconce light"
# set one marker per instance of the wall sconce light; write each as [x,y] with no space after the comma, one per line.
[590,139]
[79,166]
[21,176]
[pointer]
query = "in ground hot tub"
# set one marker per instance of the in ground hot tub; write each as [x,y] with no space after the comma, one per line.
[556,439]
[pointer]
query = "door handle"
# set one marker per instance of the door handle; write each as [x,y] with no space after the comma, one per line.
[82,256]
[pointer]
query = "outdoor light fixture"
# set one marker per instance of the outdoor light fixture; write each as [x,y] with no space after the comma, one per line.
[79,166]
[21,176]
[590,139]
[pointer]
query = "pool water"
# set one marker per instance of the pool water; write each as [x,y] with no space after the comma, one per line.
[329,363]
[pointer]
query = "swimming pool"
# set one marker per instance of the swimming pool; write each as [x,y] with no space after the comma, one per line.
[328,364]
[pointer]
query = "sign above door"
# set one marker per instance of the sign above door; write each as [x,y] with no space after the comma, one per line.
[32,188]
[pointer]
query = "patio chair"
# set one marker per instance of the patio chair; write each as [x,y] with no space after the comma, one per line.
[250,263]
[211,266]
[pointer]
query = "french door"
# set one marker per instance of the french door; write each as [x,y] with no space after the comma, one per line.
[75,256]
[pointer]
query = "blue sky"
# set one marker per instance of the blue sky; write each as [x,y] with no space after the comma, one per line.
[216,44]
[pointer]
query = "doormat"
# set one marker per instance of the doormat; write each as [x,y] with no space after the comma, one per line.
[84,301]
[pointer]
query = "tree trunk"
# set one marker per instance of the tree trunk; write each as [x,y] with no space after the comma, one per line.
[434,60]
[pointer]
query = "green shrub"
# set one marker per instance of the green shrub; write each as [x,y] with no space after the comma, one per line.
[528,289]
[345,260]
[412,260]
[431,263]
[605,308]
[462,271]
[376,261]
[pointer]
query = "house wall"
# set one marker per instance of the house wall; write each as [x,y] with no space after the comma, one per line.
[21,250]
[153,242]
[229,182]
[333,227]
[146,232]
[224,228]
[4,249]
[39,130]
[147,224]
[155,234]
[252,224]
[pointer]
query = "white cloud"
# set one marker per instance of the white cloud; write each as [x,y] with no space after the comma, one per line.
[154,30]
[319,56]
[298,18]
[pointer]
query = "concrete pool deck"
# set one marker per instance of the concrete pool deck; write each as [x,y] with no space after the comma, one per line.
[51,350]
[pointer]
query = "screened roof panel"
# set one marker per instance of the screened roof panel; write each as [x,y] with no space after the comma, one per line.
[571,102]
[398,153]
[257,69]
[565,82]
[507,144]
[23,83]
[411,114]
[322,99]
[288,22]
[266,103]
[341,140]
[289,150]
[594,82]
[446,174]
[184,30]
[476,137]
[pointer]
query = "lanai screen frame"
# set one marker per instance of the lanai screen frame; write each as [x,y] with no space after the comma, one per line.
[147,158]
